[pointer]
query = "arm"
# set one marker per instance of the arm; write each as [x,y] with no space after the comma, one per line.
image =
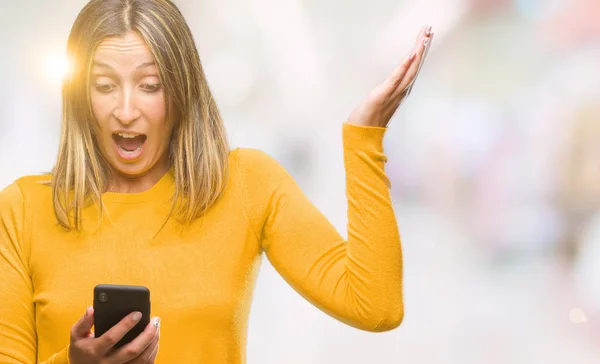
[18,342]
[358,281]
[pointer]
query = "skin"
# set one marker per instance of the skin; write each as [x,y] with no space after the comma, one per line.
[383,102]
[127,96]
[85,349]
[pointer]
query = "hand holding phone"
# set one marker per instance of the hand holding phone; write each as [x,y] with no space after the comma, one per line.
[91,348]
[114,302]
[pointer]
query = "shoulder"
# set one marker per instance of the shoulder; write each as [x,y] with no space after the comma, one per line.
[19,201]
[256,163]
[260,174]
[252,157]
[25,189]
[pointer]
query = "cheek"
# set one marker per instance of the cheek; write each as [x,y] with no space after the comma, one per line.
[101,110]
[156,114]
[155,110]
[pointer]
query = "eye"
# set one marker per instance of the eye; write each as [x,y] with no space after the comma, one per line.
[104,88]
[150,88]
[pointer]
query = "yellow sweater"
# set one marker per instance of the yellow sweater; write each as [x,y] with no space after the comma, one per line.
[201,278]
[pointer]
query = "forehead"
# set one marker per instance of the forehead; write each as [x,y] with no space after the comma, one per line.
[129,50]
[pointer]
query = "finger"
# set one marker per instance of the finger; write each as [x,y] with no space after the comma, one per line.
[425,32]
[83,326]
[135,348]
[154,354]
[116,333]
[427,42]
[403,87]
[411,74]
[421,57]
[149,355]
[400,70]
[398,74]
[428,30]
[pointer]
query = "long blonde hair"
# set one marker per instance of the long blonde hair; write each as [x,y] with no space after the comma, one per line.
[199,148]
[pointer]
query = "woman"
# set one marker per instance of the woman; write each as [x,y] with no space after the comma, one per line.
[146,192]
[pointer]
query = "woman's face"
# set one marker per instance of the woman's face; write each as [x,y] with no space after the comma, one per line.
[128,102]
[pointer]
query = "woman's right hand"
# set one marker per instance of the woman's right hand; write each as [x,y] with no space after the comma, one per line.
[86,349]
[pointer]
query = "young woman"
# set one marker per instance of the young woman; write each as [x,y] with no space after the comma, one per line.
[145,191]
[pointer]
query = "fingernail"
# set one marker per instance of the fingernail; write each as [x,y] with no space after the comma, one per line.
[426,41]
[137,316]
[428,31]
[156,321]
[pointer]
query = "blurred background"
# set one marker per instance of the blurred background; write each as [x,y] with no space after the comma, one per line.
[494,158]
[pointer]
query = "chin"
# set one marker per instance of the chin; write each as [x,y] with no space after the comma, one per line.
[130,169]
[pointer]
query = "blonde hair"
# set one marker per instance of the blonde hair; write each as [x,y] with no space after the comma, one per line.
[199,148]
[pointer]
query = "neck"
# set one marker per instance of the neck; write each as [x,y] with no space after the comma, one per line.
[123,183]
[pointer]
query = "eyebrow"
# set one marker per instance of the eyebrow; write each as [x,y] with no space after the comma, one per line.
[104,65]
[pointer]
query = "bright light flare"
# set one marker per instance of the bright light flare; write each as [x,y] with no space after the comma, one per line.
[56,67]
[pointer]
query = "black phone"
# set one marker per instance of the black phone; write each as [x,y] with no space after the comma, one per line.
[112,302]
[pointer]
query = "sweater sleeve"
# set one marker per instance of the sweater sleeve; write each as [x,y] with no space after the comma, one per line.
[358,281]
[18,342]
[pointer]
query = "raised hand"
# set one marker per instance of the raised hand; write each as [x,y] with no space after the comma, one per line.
[383,102]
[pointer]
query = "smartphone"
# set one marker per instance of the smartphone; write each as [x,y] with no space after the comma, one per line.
[113,302]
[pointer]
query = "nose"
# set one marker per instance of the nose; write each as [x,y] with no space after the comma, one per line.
[126,111]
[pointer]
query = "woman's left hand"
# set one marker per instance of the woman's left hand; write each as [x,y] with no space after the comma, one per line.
[384,100]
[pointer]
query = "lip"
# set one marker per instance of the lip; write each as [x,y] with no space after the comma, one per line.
[130,156]
[133,156]
[127,132]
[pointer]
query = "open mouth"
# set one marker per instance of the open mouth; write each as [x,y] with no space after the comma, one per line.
[129,145]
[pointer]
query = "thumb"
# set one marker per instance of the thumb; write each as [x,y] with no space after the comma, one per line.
[83,326]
